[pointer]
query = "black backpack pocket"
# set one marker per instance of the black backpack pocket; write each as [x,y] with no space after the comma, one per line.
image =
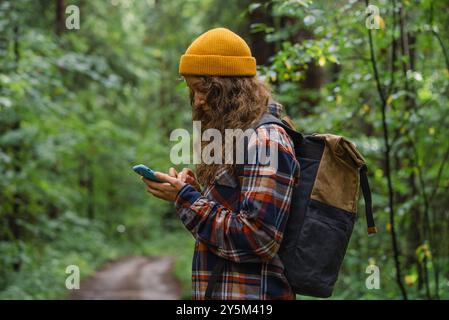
[320,249]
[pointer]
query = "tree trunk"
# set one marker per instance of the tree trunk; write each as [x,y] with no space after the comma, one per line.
[60,10]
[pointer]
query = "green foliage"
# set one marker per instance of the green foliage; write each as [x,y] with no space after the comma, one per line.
[79,107]
[329,41]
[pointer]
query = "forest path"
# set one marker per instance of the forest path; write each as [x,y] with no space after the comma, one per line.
[145,278]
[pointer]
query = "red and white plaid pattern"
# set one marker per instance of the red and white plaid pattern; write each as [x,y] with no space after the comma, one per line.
[243,222]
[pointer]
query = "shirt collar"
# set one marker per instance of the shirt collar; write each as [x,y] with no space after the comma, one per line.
[274,108]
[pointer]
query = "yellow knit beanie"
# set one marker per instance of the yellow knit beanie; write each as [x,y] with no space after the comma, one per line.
[218,52]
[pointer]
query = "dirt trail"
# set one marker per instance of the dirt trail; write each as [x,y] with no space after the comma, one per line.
[145,278]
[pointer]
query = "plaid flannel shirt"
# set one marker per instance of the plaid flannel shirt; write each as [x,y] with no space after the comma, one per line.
[243,222]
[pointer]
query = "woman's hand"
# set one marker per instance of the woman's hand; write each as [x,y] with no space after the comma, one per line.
[168,188]
[188,176]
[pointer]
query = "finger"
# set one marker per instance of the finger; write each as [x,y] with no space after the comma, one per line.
[187,175]
[188,171]
[155,192]
[190,180]
[172,172]
[157,185]
[163,187]
[183,176]
[176,183]
[148,182]
[166,178]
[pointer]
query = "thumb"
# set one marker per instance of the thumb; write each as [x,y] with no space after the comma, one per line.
[188,171]
[172,172]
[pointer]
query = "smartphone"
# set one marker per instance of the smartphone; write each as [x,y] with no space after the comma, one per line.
[145,172]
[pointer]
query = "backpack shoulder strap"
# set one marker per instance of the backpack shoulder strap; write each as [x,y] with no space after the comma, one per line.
[364,184]
[268,118]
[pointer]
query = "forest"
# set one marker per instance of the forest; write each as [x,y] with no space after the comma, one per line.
[81,104]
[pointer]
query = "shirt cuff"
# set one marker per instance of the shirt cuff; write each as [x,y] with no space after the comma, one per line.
[186,196]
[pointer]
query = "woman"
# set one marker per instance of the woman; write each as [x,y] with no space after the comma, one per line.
[239,218]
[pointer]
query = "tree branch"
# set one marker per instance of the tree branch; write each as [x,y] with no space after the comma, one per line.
[387,164]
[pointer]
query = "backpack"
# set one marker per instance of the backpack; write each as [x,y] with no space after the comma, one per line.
[322,211]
